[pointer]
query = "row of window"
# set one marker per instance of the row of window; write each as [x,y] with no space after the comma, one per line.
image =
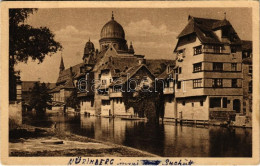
[216,83]
[215,102]
[217,66]
[107,102]
[192,104]
[215,48]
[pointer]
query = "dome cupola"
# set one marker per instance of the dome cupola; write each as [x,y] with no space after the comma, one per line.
[112,29]
[113,34]
[89,52]
[89,47]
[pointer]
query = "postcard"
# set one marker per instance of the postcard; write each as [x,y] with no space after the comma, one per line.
[130,83]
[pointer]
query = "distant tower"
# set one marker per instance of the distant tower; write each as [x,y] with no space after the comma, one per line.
[61,64]
[89,52]
[131,49]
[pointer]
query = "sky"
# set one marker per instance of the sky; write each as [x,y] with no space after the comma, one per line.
[152,31]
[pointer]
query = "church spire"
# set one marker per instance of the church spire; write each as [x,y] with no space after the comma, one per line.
[61,64]
[112,16]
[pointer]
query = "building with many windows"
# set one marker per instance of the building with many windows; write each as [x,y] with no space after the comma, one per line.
[209,70]
[101,70]
[247,70]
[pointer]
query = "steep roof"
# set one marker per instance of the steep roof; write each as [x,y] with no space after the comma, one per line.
[129,74]
[66,74]
[166,74]
[204,29]
[157,66]
[195,22]
[220,23]
[68,85]
[116,65]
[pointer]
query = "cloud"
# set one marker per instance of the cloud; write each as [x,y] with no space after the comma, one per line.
[145,28]
[72,35]
[153,45]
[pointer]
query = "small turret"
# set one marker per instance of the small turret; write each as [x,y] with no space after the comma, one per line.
[131,49]
[89,51]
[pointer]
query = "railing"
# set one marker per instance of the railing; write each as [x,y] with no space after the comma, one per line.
[215,51]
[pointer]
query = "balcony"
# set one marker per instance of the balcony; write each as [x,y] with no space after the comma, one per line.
[168,90]
[215,51]
[116,94]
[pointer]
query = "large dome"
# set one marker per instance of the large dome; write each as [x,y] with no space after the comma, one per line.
[112,29]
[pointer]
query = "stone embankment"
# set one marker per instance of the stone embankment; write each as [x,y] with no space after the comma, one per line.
[31,141]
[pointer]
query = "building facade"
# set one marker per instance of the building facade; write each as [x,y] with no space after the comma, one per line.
[209,70]
[95,76]
[247,69]
[205,80]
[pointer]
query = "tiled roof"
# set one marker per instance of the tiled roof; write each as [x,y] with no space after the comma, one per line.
[56,89]
[156,66]
[220,23]
[246,45]
[68,85]
[28,85]
[204,27]
[66,74]
[128,74]
[118,65]
[51,85]
[166,75]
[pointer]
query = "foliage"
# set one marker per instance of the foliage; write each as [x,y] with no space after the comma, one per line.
[26,41]
[73,101]
[39,98]
[146,104]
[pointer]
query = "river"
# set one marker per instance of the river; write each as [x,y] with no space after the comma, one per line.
[167,139]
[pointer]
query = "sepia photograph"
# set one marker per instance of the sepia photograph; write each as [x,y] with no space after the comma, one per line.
[157,86]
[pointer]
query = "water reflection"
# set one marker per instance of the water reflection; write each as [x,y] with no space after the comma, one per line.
[162,139]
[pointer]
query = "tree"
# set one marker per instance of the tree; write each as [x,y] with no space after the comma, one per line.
[39,98]
[27,42]
[146,104]
[73,100]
